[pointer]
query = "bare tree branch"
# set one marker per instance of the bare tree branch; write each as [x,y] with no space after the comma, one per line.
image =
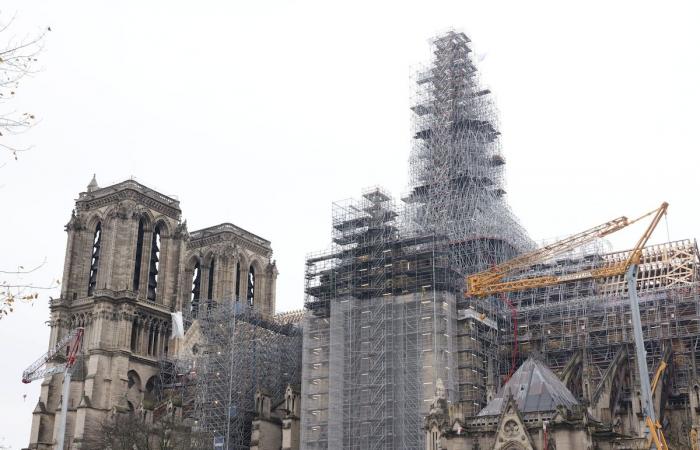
[18,59]
[12,292]
[20,269]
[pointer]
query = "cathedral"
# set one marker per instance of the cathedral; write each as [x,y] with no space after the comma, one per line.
[130,264]
[389,353]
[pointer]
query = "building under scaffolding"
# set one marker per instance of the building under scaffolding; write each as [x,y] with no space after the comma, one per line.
[458,192]
[231,353]
[381,310]
[584,332]
[387,326]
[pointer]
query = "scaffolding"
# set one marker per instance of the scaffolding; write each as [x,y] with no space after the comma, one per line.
[457,191]
[456,165]
[387,325]
[589,322]
[386,319]
[378,333]
[238,352]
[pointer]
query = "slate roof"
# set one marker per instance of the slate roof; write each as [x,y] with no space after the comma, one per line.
[534,388]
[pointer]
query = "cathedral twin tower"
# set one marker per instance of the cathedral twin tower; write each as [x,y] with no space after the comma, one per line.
[130,262]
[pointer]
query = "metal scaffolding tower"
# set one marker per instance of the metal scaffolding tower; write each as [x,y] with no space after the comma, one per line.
[458,192]
[377,343]
[238,352]
[456,166]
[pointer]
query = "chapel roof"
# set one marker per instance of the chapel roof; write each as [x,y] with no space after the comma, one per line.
[534,388]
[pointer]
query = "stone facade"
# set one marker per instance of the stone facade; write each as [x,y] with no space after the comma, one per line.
[131,262]
[277,426]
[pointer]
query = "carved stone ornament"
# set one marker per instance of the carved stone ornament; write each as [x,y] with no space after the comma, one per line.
[75,223]
[272,268]
[510,429]
[181,231]
[226,250]
[138,212]
[126,209]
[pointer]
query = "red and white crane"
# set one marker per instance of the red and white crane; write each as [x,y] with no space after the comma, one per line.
[69,347]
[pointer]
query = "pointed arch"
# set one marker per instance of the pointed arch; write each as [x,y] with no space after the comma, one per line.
[93,220]
[163,226]
[133,380]
[255,275]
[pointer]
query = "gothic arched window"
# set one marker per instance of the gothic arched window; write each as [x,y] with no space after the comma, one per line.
[150,338]
[95,259]
[250,297]
[154,265]
[210,289]
[134,335]
[139,257]
[196,288]
[237,292]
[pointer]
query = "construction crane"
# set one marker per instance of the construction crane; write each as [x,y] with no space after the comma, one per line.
[69,346]
[495,281]
[491,281]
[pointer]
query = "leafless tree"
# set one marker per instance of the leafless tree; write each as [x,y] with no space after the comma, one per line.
[129,431]
[18,59]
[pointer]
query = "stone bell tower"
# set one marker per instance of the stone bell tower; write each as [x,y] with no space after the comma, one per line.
[120,282]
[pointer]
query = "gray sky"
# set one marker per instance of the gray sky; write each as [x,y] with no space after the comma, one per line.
[262,113]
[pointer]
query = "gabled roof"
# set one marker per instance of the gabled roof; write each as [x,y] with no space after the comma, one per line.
[534,388]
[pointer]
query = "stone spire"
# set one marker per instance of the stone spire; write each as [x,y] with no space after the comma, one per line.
[93,184]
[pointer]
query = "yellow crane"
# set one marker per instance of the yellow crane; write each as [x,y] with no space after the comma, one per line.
[503,278]
[491,281]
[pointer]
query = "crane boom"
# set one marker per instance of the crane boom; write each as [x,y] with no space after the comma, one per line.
[71,342]
[38,368]
[489,282]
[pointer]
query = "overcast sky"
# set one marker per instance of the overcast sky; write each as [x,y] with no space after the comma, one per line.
[261,113]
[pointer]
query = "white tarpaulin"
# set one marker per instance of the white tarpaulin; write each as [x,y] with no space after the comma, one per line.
[178,327]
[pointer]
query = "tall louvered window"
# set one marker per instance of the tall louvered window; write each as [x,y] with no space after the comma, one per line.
[154,265]
[237,292]
[138,257]
[210,289]
[95,259]
[250,297]
[196,289]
